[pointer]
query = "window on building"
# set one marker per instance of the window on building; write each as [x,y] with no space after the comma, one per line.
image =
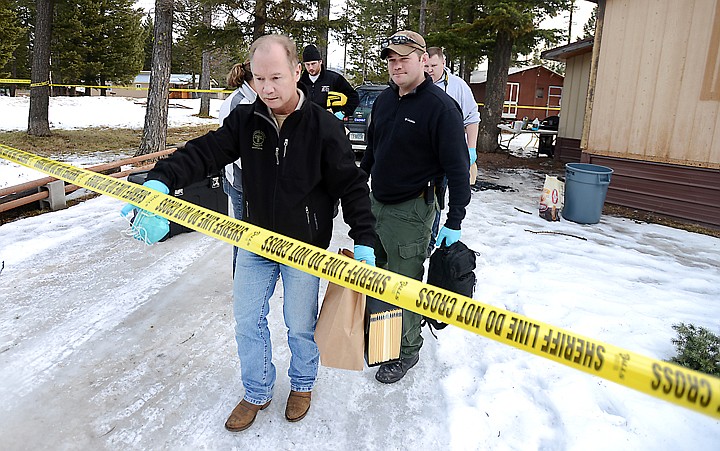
[540,93]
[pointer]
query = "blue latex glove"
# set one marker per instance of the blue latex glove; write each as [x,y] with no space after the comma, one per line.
[340,115]
[364,253]
[449,235]
[148,227]
[473,155]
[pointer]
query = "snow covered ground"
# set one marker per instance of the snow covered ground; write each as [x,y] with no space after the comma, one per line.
[108,344]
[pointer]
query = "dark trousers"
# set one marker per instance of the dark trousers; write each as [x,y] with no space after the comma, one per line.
[404,232]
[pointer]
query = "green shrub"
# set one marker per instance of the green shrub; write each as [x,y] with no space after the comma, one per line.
[697,348]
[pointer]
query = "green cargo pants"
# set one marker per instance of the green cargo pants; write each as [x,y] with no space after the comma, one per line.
[404,232]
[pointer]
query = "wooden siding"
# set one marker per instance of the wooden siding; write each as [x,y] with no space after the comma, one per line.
[577,76]
[654,57]
[683,192]
[567,150]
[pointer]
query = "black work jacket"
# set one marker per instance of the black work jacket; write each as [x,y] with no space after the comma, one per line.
[330,81]
[291,177]
[416,139]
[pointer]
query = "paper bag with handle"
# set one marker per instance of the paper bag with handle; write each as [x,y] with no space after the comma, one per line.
[339,333]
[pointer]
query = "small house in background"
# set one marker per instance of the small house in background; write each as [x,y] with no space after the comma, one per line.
[534,91]
[652,105]
[141,83]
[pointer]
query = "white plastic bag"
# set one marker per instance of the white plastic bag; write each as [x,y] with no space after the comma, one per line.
[551,199]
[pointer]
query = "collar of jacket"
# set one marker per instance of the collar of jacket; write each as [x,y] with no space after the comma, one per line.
[425,83]
[261,109]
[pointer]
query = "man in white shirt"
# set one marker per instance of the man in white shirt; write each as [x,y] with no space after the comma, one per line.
[460,91]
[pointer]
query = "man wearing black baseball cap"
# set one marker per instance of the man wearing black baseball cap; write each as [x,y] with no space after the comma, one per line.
[320,81]
[415,138]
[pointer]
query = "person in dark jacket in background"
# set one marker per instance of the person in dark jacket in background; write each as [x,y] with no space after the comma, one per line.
[296,162]
[416,136]
[321,81]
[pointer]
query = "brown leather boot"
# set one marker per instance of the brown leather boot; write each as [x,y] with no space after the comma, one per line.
[298,404]
[243,415]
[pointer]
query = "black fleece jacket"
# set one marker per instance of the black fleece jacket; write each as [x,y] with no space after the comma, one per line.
[330,81]
[291,177]
[414,139]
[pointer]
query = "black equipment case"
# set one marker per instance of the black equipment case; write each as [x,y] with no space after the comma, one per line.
[207,193]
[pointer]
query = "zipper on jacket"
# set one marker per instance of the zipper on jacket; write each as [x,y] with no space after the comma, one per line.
[285,148]
[307,216]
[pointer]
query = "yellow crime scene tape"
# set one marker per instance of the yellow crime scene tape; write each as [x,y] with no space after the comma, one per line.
[48,83]
[14,81]
[663,380]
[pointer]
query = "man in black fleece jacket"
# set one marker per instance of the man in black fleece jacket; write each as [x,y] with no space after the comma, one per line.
[321,81]
[416,136]
[296,162]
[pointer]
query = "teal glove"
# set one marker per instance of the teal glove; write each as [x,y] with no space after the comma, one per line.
[449,235]
[340,115]
[145,226]
[364,253]
[473,155]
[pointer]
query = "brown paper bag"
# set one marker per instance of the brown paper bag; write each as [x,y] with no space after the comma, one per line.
[340,330]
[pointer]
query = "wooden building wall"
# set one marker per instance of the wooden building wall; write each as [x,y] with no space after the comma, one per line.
[577,76]
[657,92]
[655,111]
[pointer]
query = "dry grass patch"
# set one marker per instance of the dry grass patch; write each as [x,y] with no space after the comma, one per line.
[94,140]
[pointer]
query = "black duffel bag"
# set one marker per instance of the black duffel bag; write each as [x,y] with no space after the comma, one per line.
[452,268]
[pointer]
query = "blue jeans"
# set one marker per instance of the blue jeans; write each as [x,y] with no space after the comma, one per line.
[236,200]
[254,284]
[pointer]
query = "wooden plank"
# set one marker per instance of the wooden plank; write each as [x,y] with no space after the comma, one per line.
[672,69]
[685,119]
[706,112]
[621,122]
[605,87]
[644,97]
[708,107]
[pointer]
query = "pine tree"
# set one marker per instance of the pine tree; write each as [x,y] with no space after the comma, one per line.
[38,123]
[147,31]
[510,25]
[368,23]
[96,41]
[155,130]
[11,33]
[20,64]
[589,27]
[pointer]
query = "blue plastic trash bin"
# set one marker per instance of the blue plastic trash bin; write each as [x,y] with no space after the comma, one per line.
[585,190]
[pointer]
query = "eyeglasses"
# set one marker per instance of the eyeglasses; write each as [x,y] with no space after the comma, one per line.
[399,40]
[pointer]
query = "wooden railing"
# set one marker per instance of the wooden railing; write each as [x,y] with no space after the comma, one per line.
[28,192]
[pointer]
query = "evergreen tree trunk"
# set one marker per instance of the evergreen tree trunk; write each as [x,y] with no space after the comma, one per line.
[423,14]
[491,112]
[260,19]
[155,130]
[205,67]
[323,19]
[38,124]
